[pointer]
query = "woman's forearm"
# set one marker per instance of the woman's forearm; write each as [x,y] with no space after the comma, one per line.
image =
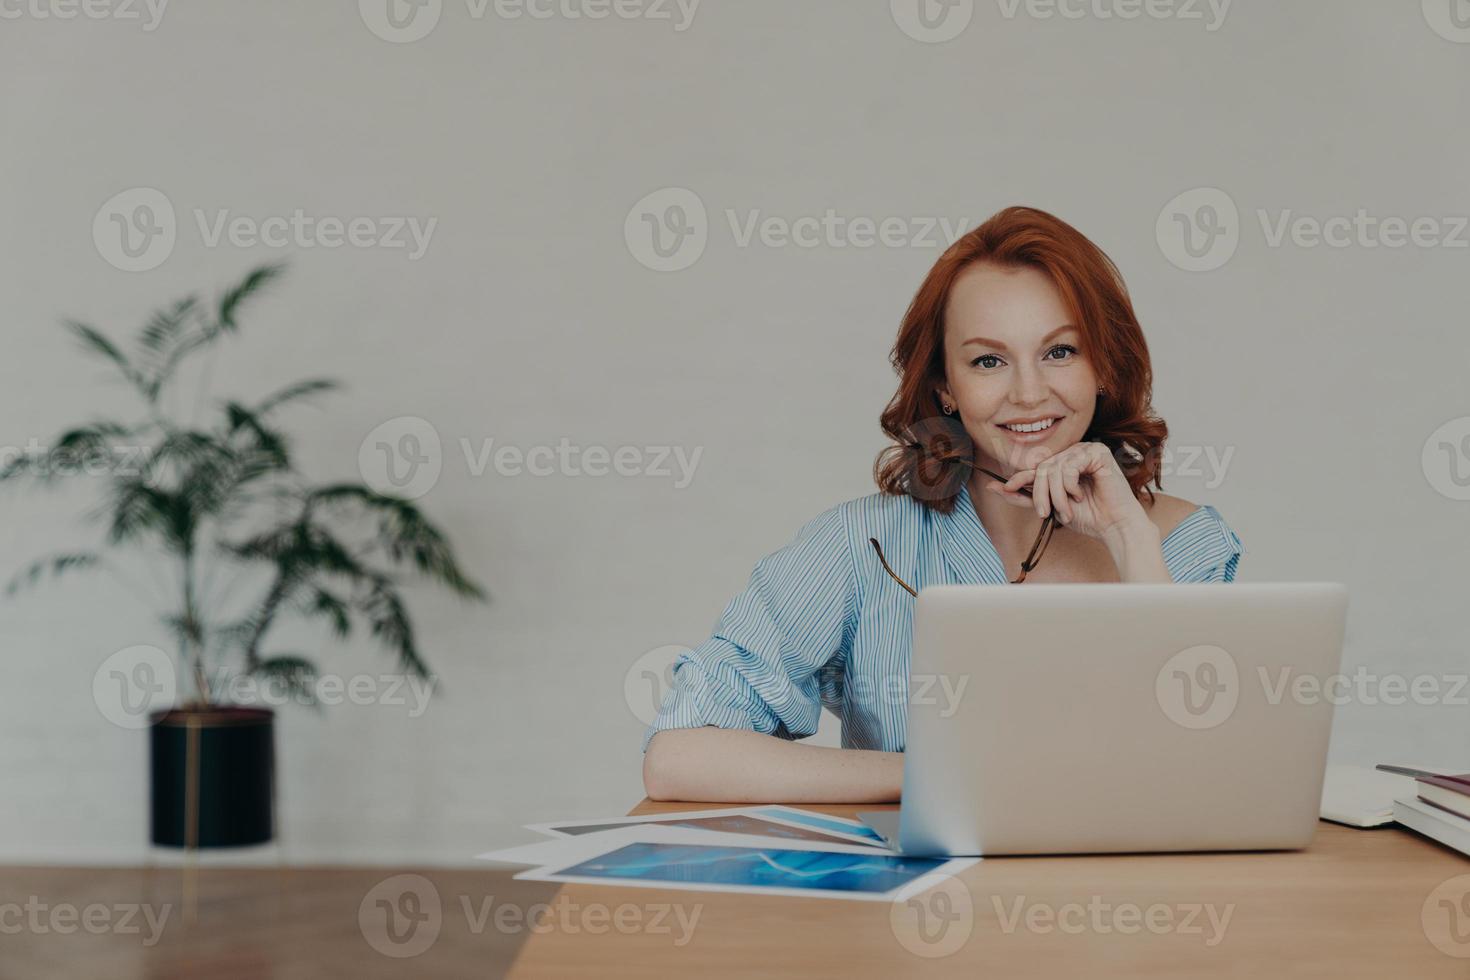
[714,765]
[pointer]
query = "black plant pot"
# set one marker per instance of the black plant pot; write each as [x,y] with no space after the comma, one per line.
[212,776]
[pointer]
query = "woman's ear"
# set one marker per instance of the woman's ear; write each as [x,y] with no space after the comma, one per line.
[946,403]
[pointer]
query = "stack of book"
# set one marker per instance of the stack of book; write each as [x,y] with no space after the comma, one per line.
[1441,811]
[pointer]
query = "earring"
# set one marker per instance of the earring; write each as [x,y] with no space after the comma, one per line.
[1100,389]
[948,409]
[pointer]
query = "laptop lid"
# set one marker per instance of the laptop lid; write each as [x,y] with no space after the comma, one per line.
[1109,717]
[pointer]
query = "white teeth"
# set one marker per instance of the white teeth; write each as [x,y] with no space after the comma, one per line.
[1032,426]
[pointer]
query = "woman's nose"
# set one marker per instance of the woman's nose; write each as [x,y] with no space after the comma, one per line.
[1028,388]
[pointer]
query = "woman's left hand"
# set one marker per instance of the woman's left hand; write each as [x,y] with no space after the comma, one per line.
[1085,487]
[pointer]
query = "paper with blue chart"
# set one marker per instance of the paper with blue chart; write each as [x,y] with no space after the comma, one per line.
[760,850]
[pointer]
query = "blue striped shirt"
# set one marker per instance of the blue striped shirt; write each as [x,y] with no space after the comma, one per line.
[822,624]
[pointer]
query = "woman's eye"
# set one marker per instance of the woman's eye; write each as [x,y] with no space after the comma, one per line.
[986,361]
[1067,350]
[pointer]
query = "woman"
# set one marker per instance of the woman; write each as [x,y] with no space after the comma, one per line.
[1023,431]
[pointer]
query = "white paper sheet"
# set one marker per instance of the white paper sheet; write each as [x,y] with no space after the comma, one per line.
[1362,797]
[782,821]
[571,848]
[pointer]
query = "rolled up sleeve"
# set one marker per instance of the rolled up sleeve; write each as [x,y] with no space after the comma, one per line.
[759,669]
[1203,548]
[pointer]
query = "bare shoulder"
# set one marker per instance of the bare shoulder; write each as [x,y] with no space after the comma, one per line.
[1167,512]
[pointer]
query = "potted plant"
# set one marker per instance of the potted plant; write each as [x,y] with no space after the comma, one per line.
[227,496]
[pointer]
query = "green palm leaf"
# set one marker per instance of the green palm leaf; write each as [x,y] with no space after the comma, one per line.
[57,565]
[405,534]
[254,282]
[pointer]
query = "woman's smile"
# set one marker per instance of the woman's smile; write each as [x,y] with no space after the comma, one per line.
[1027,431]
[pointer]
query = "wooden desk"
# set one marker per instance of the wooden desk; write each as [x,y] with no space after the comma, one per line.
[1348,906]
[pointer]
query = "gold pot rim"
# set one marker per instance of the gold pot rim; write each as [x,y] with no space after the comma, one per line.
[213,716]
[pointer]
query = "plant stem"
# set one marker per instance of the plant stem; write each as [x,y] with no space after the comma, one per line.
[267,614]
[192,635]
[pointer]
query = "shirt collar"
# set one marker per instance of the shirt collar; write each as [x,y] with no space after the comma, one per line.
[968,550]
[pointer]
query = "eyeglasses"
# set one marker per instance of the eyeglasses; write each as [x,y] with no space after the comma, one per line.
[1028,564]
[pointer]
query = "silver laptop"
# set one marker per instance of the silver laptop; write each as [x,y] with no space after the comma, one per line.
[1068,719]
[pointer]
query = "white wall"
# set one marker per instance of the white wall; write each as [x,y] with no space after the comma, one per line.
[529,320]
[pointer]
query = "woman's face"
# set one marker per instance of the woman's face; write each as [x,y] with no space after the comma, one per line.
[1013,360]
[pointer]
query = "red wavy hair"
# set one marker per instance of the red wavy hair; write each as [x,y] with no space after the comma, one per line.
[1094,294]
